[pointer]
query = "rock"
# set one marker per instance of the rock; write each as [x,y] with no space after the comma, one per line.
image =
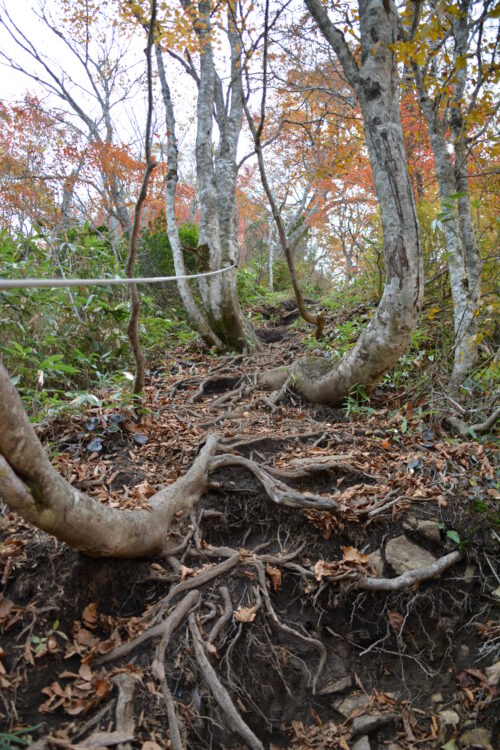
[496,593]
[376,564]
[479,737]
[346,706]
[337,686]
[362,744]
[470,574]
[493,673]
[368,724]
[403,555]
[426,527]
[450,718]
[437,698]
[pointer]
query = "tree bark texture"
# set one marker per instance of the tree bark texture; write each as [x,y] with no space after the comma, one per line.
[376,86]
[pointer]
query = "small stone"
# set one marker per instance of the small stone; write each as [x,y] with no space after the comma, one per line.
[394,746]
[376,564]
[346,706]
[493,673]
[426,527]
[404,556]
[368,724]
[479,737]
[470,574]
[337,686]
[450,718]
[496,593]
[362,744]
[437,698]
[464,649]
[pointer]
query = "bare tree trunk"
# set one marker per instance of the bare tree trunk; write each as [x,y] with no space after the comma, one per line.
[135,303]
[318,320]
[376,86]
[218,243]
[31,487]
[195,317]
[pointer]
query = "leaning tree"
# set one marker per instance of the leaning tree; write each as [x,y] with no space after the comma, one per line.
[375,83]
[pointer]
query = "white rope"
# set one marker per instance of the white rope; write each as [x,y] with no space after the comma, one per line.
[41,283]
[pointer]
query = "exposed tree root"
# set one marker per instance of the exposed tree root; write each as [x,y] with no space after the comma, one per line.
[163,630]
[480,428]
[412,576]
[218,690]
[276,490]
[314,642]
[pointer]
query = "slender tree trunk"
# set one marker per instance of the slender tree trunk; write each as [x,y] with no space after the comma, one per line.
[218,242]
[195,317]
[376,85]
[135,303]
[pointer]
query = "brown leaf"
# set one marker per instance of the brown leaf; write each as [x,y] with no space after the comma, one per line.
[351,554]
[275,576]
[323,568]
[89,615]
[245,614]
[396,620]
[85,673]
[5,607]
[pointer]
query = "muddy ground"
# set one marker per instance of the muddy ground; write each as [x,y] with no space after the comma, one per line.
[308,655]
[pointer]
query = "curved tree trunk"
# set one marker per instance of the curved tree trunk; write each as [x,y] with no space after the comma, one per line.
[30,485]
[376,85]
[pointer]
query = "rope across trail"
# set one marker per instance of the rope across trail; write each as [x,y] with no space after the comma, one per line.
[6,284]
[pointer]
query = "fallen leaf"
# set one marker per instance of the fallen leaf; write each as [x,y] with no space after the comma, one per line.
[275,576]
[396,620]
[351,554]
[89,615]
[246,614]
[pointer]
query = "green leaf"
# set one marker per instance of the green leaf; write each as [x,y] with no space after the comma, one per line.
[451,534]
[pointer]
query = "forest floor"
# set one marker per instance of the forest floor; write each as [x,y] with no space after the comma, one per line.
[259,629]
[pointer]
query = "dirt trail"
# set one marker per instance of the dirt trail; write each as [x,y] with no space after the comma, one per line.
[262,627]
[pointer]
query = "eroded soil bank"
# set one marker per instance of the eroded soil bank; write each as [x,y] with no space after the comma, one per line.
[273,598]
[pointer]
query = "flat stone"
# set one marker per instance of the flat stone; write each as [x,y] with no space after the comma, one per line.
[493,673]
[362,744]
[337,686]
[376,564]
[368,724]
[450,718]
[426,527]
[346,706]
[479,737]
[437,698]
[403,555]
